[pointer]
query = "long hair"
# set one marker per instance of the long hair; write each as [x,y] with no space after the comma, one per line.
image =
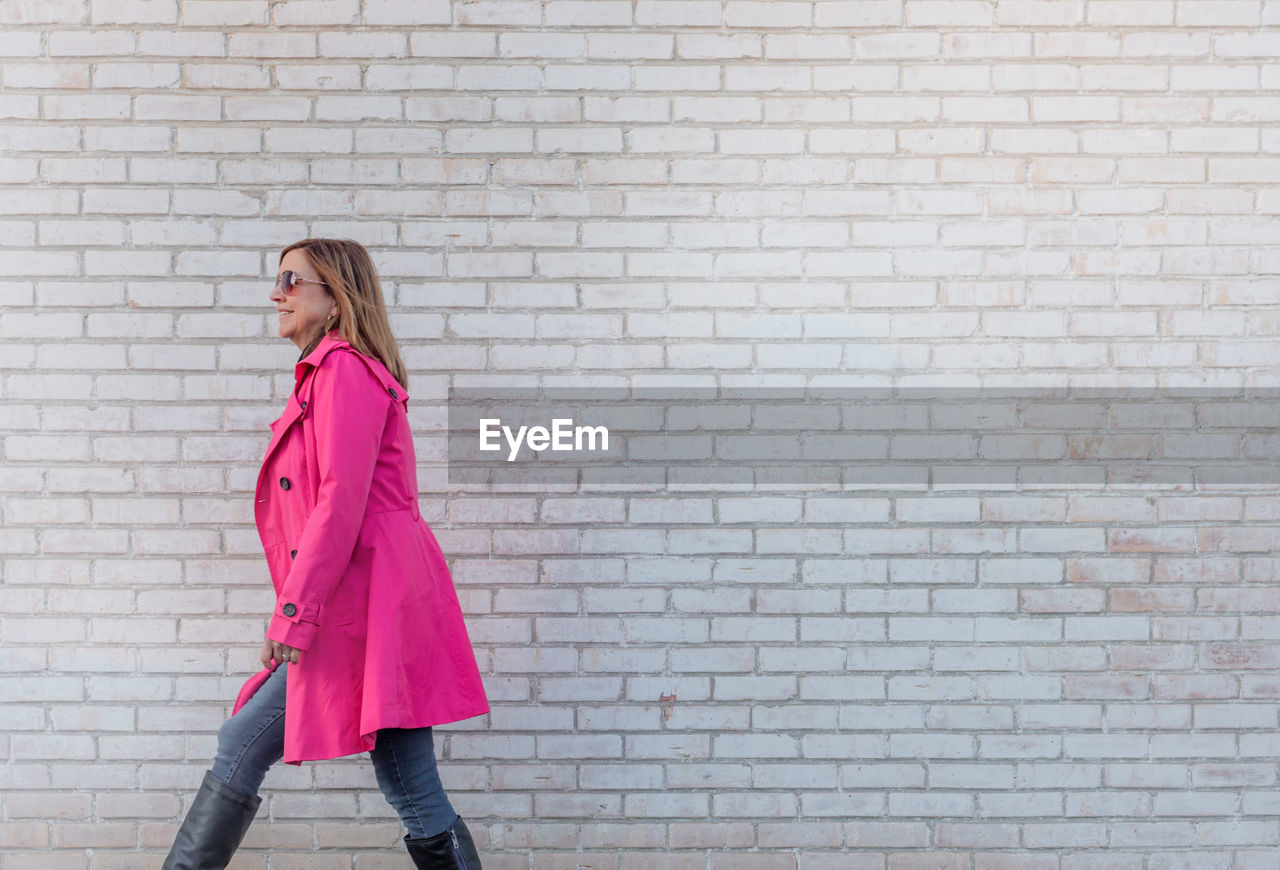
[347,268]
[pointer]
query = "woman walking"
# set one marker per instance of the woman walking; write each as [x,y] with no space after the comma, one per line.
[367,631]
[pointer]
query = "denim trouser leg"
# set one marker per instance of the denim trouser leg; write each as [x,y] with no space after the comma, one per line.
[253,739]
[404,759]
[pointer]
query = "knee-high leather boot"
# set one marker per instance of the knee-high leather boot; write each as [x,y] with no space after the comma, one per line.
[215,824]
[449,850]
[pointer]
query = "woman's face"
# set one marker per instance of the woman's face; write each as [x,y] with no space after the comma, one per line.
[302,313]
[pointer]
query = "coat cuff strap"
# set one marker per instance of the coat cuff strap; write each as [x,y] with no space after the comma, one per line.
[293,623]
[295,634]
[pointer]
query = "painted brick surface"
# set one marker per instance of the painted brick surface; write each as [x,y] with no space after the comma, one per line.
[702,192]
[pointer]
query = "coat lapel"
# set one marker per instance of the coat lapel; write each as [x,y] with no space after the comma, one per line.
[293,410]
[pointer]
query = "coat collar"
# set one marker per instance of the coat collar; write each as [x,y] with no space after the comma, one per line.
[318,353]
[332,342]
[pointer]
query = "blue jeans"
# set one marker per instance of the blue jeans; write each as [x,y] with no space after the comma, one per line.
[404,759]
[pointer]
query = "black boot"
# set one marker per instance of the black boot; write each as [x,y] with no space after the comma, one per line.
[215,824]
[449,850]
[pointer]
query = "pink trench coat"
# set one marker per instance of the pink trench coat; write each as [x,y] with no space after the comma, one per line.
[361,585]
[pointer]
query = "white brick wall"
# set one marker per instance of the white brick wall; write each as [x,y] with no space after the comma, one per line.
[1067,192]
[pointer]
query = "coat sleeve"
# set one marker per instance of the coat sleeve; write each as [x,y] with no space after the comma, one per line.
[348,414]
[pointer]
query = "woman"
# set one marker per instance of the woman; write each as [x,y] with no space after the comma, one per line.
[367,631]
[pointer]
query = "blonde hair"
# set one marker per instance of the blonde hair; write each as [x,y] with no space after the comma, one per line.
[346,267]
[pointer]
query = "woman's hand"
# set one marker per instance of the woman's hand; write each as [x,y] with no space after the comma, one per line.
[281,652]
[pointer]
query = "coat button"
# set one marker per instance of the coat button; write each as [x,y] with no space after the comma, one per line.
[304,404]
[284,483]
[288,610]
[293,554]
[392,392]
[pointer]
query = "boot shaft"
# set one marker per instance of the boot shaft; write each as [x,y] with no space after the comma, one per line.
[214,827]
[453,849]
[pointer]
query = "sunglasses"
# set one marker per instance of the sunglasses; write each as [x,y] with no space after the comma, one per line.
[289,281]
